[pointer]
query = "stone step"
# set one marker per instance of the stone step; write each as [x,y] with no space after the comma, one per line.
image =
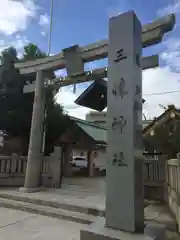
[48,211]
[154,212]
[55,204]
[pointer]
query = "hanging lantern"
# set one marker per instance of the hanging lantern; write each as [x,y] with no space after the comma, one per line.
[95,96]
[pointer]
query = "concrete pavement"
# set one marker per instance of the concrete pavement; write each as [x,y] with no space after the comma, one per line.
[19,225]
[75,199]
[82,192]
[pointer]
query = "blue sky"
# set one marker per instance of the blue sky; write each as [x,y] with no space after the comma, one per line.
[83,22]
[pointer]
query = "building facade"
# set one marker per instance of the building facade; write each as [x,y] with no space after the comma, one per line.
[97,117]
[101,118]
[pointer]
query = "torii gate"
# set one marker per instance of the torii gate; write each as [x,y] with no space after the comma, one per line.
[124,197]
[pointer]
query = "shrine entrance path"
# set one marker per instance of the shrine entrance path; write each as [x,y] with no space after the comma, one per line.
[83,192]
[20,225]
[83,197]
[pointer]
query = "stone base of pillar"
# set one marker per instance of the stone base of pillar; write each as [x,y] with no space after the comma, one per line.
[97,231]
[30,190]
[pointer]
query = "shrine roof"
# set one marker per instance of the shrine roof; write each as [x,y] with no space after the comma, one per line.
[95,131]
[170,113]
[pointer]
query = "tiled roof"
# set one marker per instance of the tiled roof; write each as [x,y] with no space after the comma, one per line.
[164,117]
[95,131]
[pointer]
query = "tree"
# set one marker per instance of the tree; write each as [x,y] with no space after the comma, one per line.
[12,100]
[31,52]
[57,122]
[16,107]
[9,55]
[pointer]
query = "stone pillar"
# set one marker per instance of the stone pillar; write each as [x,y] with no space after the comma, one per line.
[15,158]
[56,159]
[32,178]
[91,168]
[67,158]
[124,176]
[124,196]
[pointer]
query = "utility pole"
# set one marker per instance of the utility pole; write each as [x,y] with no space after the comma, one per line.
[48,53]
[50,27]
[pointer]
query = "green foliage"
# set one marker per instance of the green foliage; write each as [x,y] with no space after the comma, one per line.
[13,104]
[31,52]
[56,122]
[9,56]
[16,107]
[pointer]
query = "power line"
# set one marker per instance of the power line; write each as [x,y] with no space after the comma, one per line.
[161,93]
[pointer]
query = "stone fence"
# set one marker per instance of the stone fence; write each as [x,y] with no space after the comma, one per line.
[173,187]
[12,173]
[12,170]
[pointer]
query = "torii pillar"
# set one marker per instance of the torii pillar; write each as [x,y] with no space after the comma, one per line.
[32,177]
[74,65]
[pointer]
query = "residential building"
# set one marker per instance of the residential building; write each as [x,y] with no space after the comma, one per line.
[101,118]
[97,117]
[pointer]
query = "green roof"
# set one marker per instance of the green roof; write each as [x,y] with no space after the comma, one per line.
[95,131]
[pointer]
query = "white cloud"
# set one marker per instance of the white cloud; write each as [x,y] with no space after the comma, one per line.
[154,81]
[18,43]
[66,98]
[44,20]
[116,10]
[61,73]
[15,15]
[172,7]
[157,81]
[43,33]
[171,56]
[165,78]
[44,23]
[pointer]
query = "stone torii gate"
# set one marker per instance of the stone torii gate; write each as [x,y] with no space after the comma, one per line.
[124,196]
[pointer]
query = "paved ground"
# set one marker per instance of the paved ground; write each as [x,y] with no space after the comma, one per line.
[19,225]
[85,192]
[88,193]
